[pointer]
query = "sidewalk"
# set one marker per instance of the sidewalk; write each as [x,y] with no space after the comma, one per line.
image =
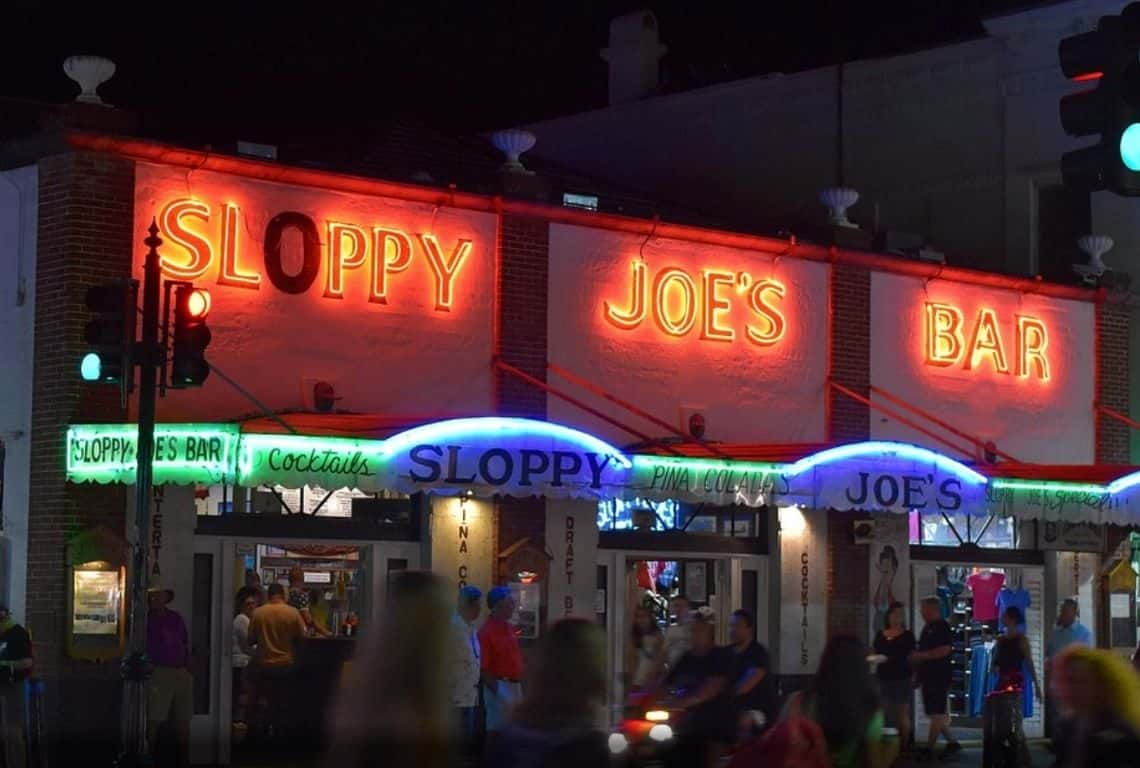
[971,757]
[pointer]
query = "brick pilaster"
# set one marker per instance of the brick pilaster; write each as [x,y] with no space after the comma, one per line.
[1112,437]
[848,577]
[522,285]
[85,226]
[850,334]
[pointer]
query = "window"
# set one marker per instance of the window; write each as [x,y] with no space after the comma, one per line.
[989,532]
[1063,215]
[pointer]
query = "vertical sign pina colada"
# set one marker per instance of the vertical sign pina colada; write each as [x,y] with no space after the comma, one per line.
[208,239]
[680,303]
[950,340]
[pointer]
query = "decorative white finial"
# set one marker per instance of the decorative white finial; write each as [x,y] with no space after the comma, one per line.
[513,142]
[1096,246]
[838,200]
[90,72]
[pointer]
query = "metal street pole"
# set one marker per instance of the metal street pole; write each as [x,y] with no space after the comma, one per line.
[136,666]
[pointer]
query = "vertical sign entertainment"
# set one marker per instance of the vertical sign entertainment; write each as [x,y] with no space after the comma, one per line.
[156,531]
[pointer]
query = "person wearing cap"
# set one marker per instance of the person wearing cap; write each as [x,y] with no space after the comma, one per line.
[15,667]
[465,671]
[171,693]
[501,659]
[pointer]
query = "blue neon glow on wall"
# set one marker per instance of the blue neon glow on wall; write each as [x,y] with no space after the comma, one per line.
[504,427]
[886,449]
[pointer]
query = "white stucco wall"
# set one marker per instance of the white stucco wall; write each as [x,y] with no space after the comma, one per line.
[276,344]
[18,211]
[1048,422]
[747,393]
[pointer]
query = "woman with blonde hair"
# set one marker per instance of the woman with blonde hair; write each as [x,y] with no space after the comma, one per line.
[394,707]
[556,723]
[1099,694]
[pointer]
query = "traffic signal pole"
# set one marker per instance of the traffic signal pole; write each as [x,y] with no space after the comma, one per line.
[136,666]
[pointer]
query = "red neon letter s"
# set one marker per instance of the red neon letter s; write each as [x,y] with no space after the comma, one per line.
[715,306]
[986,340]
[401,259]
[445,271]
[943,334]
[775,323]
[634,316]
[198,247]
[1032,339]
[231,272]
[348,249]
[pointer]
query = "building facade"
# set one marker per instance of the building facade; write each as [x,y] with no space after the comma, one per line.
[716,397]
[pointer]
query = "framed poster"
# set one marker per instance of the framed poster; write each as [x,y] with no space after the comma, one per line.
[97,603]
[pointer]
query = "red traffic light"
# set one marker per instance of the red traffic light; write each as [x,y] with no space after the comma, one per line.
[197,303]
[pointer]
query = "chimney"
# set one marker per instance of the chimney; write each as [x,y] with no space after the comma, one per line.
[634,54]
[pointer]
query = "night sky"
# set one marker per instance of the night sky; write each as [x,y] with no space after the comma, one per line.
[271,71]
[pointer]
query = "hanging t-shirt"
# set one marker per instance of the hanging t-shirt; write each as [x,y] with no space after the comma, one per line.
[1013,598]
[985,586]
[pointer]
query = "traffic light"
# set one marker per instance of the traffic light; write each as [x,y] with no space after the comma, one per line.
[191,336]
[111,334]
[1106,56]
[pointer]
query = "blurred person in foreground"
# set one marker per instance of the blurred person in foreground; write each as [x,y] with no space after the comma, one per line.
[465,669]
[843,701]
[394,709]
[700,686]
[1099,697]
[556,723]
[501,659]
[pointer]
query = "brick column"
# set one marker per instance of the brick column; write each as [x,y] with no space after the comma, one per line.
[524,252]
[849,421]
[86,210]
[1112,437]
[850,334]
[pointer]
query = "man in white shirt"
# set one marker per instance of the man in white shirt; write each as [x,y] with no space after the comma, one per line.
[679,637]
[466,662]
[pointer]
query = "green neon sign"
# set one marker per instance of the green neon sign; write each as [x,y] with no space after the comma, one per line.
[1048,486]
[183,453]
[704,465]
[295,460]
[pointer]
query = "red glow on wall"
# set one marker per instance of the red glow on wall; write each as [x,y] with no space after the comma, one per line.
[677,300]
[980,343]
[203,240]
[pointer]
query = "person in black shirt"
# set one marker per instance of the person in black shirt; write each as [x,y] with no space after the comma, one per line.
[896,643]
[701,685]
[15,668]
[754,688]
[932,661]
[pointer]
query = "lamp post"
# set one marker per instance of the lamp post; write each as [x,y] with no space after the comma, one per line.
[136,666]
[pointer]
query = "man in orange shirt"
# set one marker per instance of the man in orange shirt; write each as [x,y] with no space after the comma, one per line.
[501,659]
[275,629]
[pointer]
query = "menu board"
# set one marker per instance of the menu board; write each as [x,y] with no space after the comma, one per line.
[97,600]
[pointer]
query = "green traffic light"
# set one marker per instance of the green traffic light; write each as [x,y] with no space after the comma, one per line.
[91,368]
[1130,147]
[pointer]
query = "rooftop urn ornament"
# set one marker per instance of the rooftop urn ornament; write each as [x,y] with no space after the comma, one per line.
[89,72]
[838,200]
[513,142]
[1096,246]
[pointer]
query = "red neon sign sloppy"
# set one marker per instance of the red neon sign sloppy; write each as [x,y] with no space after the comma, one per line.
[949,342]
[677,302]
[384,250]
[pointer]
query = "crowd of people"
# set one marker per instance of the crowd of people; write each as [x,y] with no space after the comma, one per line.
[456,686]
